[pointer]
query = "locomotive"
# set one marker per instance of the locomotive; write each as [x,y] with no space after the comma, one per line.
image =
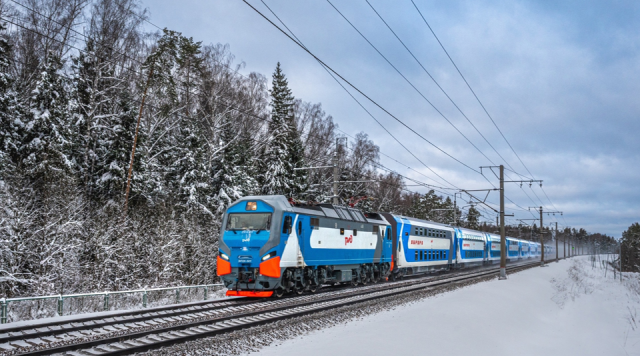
[270,246]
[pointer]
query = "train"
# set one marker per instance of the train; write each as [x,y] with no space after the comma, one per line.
[270,246]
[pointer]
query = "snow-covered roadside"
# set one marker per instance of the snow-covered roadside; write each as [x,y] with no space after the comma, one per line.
[568,308]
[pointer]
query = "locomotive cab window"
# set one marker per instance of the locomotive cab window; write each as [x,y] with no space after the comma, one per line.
[249,221]
[299,227]
[286,225]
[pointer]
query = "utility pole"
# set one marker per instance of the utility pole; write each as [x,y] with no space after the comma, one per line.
[542,232]
[503,237]
[564,247]
[455,208]
[334,161]
[336,176]
[556,241]
[541,240]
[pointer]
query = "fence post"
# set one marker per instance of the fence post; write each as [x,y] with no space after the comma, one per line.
[206,292]
[144,298]
[3,317]
[177,295]
[60,305]
[106,301]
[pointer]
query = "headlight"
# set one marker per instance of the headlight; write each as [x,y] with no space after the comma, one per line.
[269,255]
[224,257]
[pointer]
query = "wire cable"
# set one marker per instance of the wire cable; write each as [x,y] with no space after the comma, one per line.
[357,89]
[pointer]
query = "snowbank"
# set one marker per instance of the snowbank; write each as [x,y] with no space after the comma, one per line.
[568,308]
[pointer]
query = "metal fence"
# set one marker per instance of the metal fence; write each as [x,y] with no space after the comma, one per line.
[103,302]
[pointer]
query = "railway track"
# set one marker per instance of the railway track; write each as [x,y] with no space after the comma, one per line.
[137,331]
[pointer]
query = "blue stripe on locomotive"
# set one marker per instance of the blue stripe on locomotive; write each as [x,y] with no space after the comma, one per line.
[328,256]
[325,256]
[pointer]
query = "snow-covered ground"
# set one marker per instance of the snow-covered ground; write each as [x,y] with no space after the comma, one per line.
[568,308]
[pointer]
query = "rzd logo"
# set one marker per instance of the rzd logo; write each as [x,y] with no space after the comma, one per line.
[247,235]
[348,240]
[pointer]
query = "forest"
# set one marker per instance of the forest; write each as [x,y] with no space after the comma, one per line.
[85,86]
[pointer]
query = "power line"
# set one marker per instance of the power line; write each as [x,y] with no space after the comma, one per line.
[471,89]
[360,104]
[297,40]
[356,88]
[410,83]
[442,90]
[477,98]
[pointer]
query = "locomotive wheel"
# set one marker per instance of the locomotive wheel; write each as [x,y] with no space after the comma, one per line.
[364,276]
[298,290]
[354,282]
[313,288]
[279,292]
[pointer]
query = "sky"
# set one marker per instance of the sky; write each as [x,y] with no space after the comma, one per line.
[558,78]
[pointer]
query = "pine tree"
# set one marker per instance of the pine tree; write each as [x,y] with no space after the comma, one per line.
[423,207]
[119,141]
[284,150]
[232,167]
[83,107]
[11,112]
[48,143]
[162,122]
[191,166]
[473,215]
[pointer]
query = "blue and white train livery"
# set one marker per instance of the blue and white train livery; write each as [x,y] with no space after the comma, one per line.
[470,246]
[493,247]
[270,246]
[420,245]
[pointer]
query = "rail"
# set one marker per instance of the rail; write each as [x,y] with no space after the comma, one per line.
[4,302]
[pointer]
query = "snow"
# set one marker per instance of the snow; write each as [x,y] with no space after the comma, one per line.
[35,323]
[568,308]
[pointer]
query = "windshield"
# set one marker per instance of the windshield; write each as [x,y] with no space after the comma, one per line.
[249,221]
